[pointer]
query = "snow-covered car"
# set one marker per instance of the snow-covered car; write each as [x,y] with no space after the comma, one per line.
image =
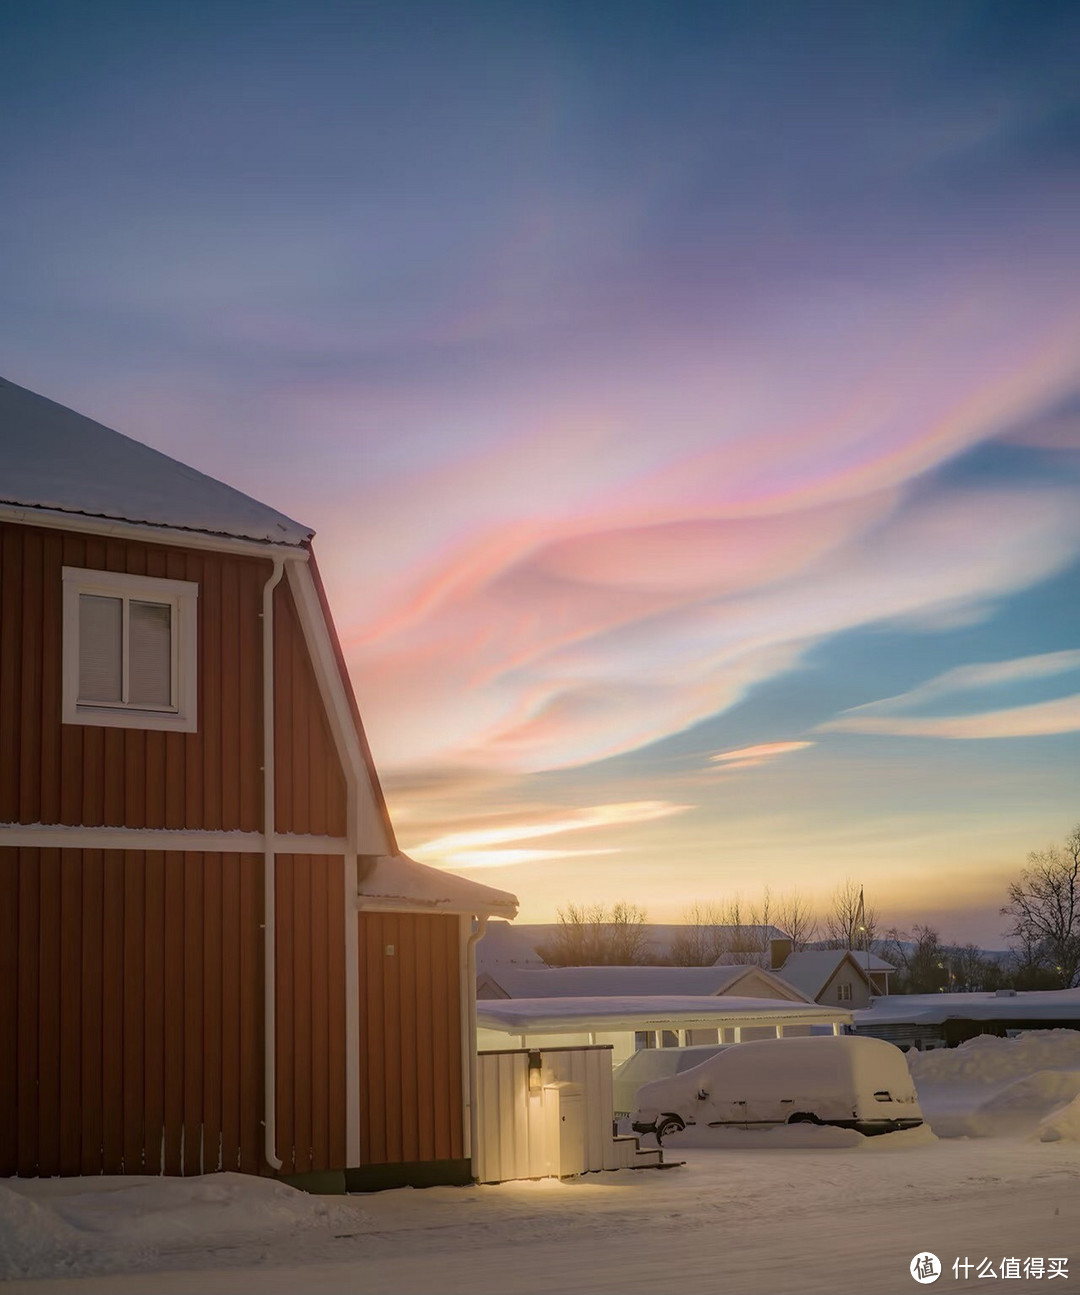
[655,1063]
[846,1080]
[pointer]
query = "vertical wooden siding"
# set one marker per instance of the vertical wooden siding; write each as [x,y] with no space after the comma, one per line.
[131,1012]
[310,785]
[82,774]
[410,1039]
[310,968]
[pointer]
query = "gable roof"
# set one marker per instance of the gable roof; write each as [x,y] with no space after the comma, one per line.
[56,459]
[633,981]
[811,970]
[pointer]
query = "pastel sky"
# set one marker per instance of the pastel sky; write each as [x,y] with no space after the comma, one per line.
[686,398]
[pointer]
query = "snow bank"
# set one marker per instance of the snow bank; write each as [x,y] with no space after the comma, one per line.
[1063,1125]
[35,1242]
[76,1226]
[988,1060]
[991,1087]
[1021,1105]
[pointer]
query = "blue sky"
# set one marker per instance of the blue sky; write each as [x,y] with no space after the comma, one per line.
[685,398]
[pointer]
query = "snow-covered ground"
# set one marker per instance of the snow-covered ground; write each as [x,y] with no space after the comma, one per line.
[793,1210]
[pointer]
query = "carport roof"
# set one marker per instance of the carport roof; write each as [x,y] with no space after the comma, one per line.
[562,1015]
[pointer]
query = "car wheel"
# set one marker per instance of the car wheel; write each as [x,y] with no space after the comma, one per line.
[666,1125]
[803,1117]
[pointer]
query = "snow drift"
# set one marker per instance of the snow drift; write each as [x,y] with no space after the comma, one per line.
[58,1226]
[993,1087]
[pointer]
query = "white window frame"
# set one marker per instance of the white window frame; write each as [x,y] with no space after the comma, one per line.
[182,596]
[844,992]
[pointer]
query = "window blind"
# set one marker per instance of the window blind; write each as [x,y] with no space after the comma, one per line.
[150,659]
[100,648]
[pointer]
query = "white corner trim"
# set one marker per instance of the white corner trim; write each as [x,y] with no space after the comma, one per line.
[466,992]
[352,1016]
[370,837]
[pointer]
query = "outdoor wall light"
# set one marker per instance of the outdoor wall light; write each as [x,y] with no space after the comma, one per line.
[535,1071]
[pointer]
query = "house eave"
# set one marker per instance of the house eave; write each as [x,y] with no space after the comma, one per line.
[150,532]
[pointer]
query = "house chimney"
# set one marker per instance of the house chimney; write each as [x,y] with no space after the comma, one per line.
[779,952]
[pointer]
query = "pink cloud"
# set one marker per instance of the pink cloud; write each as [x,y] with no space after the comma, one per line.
[749,757]
[486,846]
[1038,720]
[609,555]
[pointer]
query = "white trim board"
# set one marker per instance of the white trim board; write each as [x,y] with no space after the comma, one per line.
[61,836]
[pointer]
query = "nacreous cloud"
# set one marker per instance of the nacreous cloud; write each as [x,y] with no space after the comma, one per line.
[748,757]
[1038,720]
[606,563]
[484,847]
[887,716]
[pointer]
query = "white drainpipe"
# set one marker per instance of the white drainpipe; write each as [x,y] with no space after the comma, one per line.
[269,880]
[470,965]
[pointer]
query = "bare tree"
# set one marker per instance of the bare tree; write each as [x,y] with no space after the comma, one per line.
[700,942]
[850,923]
[1044,905]
[795,916]
[972,970]
[594,937]
[921,960]
[627,936]
[744,938]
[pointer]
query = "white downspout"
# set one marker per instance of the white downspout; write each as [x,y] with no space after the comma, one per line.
[269,879]
[470,972]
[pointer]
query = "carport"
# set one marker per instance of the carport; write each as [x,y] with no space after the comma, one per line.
[629,1023]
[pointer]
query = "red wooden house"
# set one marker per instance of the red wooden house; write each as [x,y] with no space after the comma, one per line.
[212,954]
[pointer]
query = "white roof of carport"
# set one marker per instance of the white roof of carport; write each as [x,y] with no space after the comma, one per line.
[568,1015]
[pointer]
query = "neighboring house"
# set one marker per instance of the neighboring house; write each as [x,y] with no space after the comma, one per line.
[637,981]
[838,976]
[503,945]
[212,955]
[936,1020]
[659,939]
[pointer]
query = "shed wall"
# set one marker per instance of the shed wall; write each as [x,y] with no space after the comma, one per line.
[411,1103]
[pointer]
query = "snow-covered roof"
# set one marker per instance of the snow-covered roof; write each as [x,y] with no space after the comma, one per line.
[53,458]
[659,937]
[396,879]
[646,1012]
[607,982]
[811,970]
[933,1009]
[504,946]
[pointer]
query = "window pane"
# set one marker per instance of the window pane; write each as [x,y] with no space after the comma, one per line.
[100,667]
[150,662]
